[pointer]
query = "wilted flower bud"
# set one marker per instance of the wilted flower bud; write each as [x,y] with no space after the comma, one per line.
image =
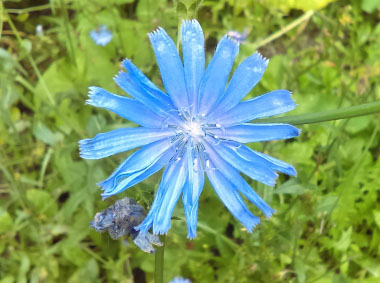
[121,219]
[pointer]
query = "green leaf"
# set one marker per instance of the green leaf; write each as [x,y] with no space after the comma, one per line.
[344,241]
[181,10]
[75,254]
[376,216]
[42,202]
[290,187]
[357,125]
[5,221]
[300,268]
[44,134]
[370,5]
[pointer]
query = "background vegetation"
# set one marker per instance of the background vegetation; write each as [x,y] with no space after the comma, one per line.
[327,225]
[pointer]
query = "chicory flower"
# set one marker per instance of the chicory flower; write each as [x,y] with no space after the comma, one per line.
[198,126]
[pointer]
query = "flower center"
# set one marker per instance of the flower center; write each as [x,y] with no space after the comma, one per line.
[190,136]
[194,130]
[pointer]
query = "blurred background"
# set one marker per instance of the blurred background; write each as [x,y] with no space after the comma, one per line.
[327,224]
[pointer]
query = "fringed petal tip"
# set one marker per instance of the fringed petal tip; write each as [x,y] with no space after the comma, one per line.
[191,24]
[267,210]
[288,101]
[231,39]
[161,230]
[251,225]
[290,170]
[234,40]
[296,132]
[118,78]
[109,190]
[85,150]
[126,63]
[270,182]
[191,233]
[104,196]
[82,144]
[191,219]
[259,56]
[157,32]
[92,94]
[107,186]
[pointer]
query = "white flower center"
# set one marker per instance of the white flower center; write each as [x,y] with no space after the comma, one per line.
[194,129]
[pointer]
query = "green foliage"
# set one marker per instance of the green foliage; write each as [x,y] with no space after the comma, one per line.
[327,224]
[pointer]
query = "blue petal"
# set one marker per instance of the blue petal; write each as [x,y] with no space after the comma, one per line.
[127,108]
[131,85]
[147,84]
[232,200]
[269,104]
[120,140]
[136,177]
[269,161]
[192,192]
[215,78]
[174,189]
[145,240]
[231,173]
[246,133]
[193,58]
[166,198]
[171,68]
[246,76]
[252,169]
[137,162]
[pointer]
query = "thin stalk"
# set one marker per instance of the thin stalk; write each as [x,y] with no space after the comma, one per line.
[284,30]
[45,162]
[1,18]
[31,61]
[68,33]
[29,9]
[159,262]
[329,115]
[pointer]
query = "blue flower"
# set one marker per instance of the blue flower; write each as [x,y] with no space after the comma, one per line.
[199,126]
[180,280]
[101,36]
[238,36]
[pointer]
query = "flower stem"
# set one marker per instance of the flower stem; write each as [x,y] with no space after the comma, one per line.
[329,115]
[159,262]
[284,30]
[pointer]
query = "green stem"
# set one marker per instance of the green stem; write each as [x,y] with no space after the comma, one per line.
[66,23]
[31,61]
[159,262]
[1,18]
[329,115]
[29,9]
[284,30]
